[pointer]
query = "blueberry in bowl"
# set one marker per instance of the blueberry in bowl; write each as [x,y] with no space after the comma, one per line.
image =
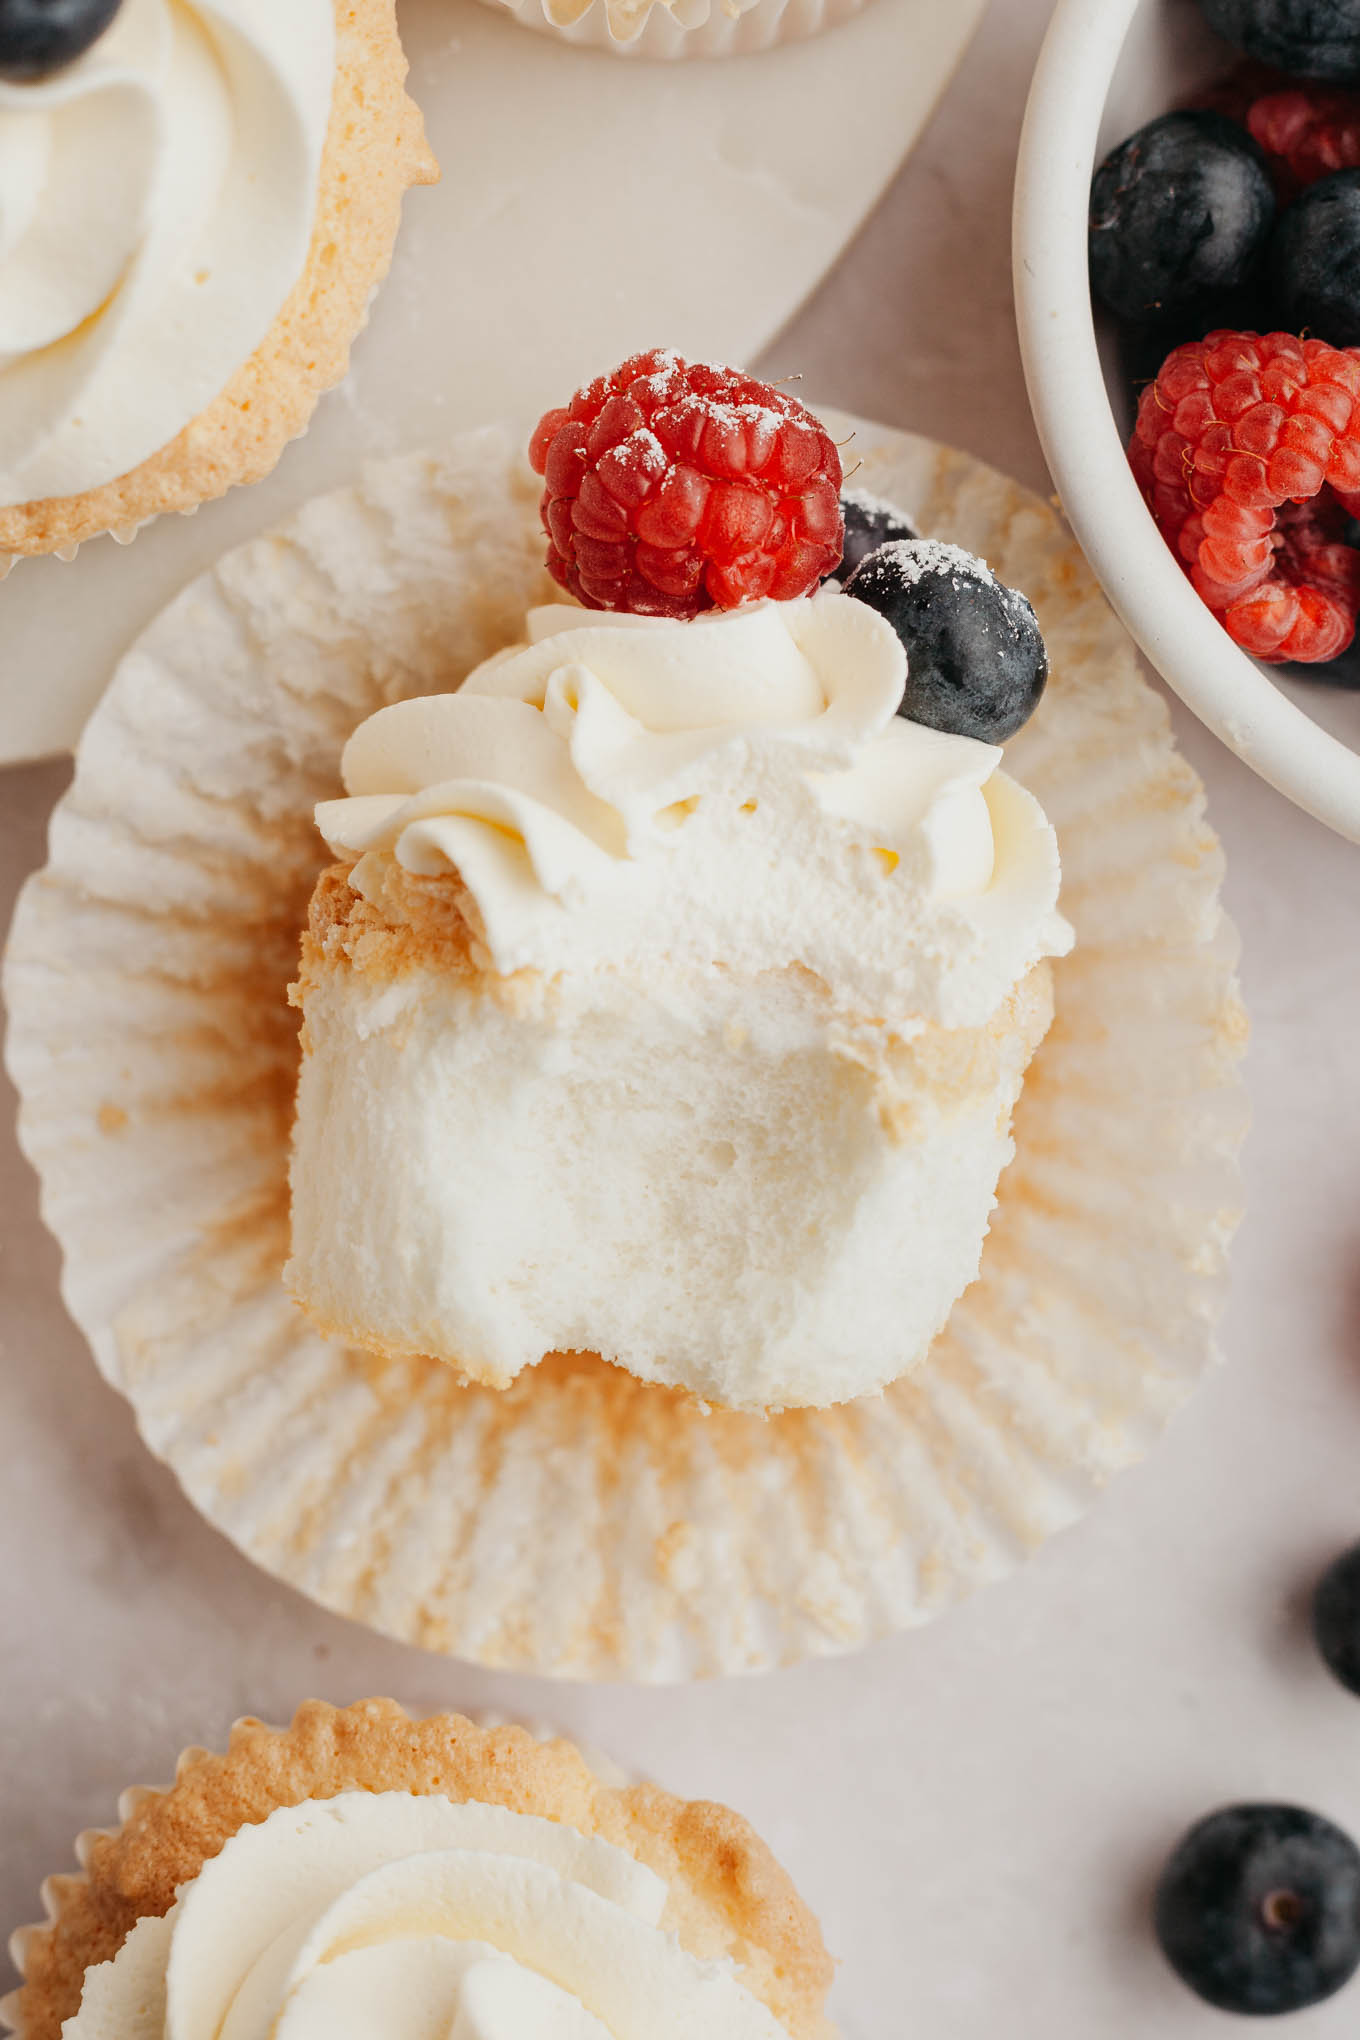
[1181,214]
[1306,38]
[1315,261]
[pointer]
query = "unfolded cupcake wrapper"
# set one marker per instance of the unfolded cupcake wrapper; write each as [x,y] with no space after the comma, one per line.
[581,1523]
[684,28]
[57,1889]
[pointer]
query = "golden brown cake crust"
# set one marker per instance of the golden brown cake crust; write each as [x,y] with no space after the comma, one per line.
[729,1897]
[375,150]
[432,925]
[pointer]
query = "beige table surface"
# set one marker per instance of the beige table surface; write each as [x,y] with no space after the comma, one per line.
[976,1810]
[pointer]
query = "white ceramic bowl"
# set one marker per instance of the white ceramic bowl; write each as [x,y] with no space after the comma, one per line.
[1107,66]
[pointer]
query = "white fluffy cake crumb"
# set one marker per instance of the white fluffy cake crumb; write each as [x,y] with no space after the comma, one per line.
[710,1179]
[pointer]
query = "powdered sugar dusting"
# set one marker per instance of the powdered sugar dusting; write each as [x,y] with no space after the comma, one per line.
[672,487]
[642,455]
[907,561]
[876,507]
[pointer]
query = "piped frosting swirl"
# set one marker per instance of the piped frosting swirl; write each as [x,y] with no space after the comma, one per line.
[625,790]
[157,201]
[396,1916]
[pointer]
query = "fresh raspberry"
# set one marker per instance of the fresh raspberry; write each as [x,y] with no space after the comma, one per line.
[1247,449]
[1307,131]
[672,487]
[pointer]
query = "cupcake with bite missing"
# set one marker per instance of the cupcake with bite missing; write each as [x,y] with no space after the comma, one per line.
[197,202]
[364,1873]
[675,984]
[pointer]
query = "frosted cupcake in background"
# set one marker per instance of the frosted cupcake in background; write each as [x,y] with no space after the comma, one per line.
[364,1873]
[196,204]
[680,28]
[677,985]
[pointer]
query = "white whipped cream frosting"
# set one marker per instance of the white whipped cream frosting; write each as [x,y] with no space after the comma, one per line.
[395,1916]
[626,790]
[157,200]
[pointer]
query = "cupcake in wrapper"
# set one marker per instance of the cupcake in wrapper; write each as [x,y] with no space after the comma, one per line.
[582,1522]
[204,201]
[680,28]
[674,1010]
[674,997]
[273,1890]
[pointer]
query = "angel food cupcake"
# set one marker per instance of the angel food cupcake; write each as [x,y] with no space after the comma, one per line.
[365,1874]
[197,200]
[678,979]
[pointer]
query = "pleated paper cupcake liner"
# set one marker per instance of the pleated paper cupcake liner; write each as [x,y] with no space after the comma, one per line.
[583,1524]
[680,28]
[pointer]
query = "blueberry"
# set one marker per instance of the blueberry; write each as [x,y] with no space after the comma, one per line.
[1258,1909]
[869,523]
[38,37]
[1180,214]
[1307,38]
[1315,261]
[1336,1617]
[976,664]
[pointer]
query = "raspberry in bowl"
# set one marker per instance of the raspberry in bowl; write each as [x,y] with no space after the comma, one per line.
[1227,585]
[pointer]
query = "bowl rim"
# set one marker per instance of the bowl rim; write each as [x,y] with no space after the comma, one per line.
[1226,689]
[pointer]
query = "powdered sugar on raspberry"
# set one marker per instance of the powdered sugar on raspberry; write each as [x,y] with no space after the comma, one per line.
[672,487]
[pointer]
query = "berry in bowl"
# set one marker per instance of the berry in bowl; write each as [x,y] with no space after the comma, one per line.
[1188,295]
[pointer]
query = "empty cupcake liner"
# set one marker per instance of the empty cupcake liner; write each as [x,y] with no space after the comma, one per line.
[680,28]
[583,1524]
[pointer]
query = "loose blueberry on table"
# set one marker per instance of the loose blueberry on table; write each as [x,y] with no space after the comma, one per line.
[1336,1618]
[38,37]
[1258,1909]
[976,664]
